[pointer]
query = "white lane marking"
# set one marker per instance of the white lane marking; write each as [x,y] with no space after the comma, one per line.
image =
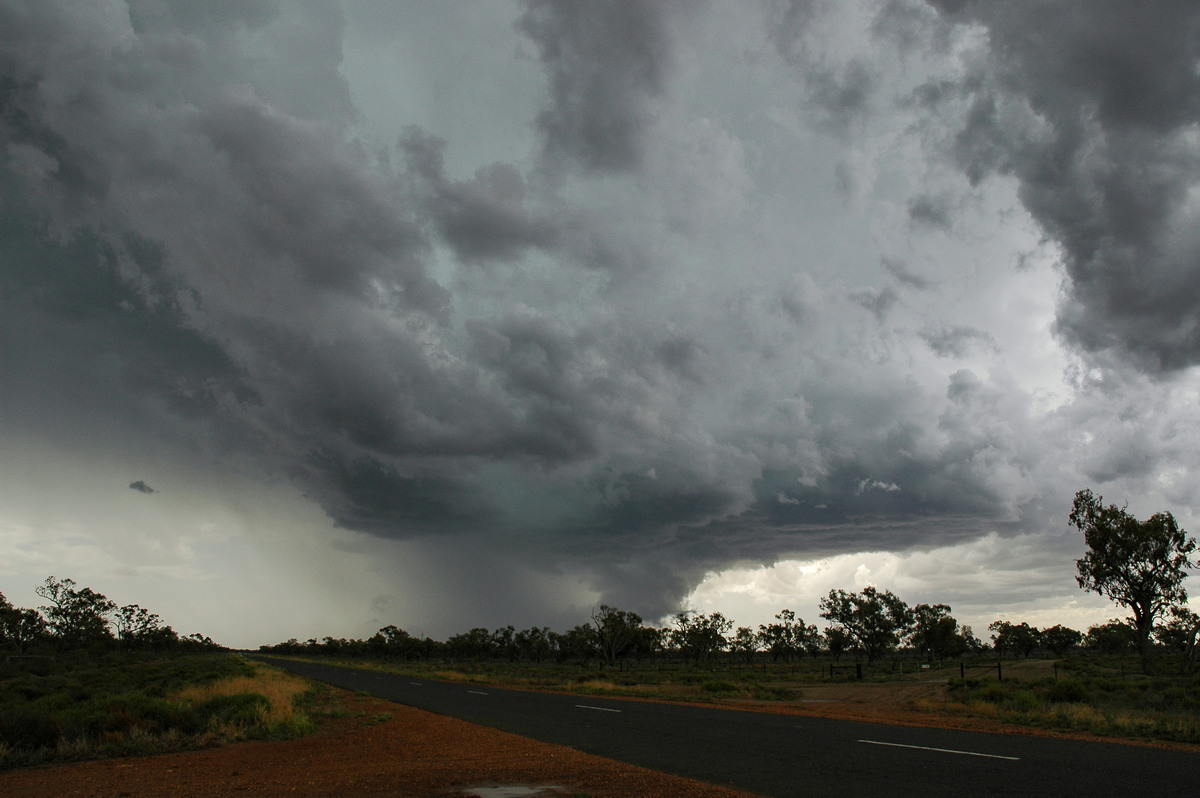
[476,692]
[418,684]
[942,750]
[601,709]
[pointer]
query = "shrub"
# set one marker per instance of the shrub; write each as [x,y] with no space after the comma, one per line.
[1067,691]
[718,686]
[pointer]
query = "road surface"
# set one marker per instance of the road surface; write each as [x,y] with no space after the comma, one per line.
[788,755]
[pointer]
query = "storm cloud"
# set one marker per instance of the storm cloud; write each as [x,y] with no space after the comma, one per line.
[649,291]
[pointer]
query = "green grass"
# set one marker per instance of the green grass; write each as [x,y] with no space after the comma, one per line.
[127,704]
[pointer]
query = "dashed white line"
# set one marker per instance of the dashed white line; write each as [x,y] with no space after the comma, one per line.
[417,684]
[942,750]
[600,709]
[476,692]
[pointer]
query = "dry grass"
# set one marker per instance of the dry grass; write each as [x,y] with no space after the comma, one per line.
[278,687]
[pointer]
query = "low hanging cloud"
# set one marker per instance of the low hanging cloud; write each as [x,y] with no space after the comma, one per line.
[141,487]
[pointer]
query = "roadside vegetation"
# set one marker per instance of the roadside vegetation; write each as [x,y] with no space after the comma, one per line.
[82,678]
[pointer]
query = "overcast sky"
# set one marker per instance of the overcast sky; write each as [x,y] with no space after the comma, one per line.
[316,317]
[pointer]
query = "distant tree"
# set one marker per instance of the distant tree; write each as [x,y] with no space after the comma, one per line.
[1138,564]
[578,642]
[19,627]
[1018,638]
[745,643]
[700,636]
[971,643]
[474,644]
[1061,639]
[935,632]
[136,624]
[1114,637]
[504,643]
[837,640]
[76,616]
[616,631]
[789,636]
[392,641]
[534,643]
[875,621]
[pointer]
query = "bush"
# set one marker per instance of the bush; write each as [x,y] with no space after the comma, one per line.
[242,709]
[1067,690]
[717,686]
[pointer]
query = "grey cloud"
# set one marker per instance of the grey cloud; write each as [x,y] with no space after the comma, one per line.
[905,276]
[607,63]
[483,218]
[878,301]
[956,341]
[840,90]
[1092,110]
[210,253]
[930,211]
[141,487]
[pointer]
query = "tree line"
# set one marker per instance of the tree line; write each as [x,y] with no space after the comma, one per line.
[77,617]
[1140,565]
[868,625]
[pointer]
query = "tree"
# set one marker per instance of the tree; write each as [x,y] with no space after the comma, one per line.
[18,626]
[873,620]
[534,643]
[1114,637]
[745,643]
[1061,639]
[136,624]
[935,632]
[837,641]
[700,635]
[785,637]
[616,631]
[76,616]
[1019,638]
[1138,564]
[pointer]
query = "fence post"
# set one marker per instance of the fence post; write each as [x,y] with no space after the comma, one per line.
[999,672]
[858,670]
[962,671]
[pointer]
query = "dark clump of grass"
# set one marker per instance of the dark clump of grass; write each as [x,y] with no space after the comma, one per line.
[720,687]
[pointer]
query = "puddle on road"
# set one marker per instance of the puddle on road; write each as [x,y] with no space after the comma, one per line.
[511,791]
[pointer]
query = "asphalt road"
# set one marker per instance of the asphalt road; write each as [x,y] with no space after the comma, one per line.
[787,755]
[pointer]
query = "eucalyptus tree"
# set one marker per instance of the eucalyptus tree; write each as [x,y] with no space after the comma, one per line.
[76,616]
[873,620]
[1140,565]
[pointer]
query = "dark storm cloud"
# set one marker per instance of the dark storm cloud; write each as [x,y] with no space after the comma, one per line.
[483,218]
[203,246]
[1092,106]
[607,62]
